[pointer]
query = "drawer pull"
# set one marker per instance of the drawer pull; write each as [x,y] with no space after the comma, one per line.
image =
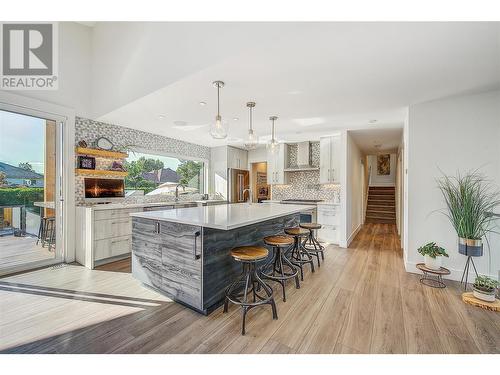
[120,222]
[122,240]
[157,227]
[195,250]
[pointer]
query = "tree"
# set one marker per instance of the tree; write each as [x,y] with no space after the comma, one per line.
[26,166]
[187,170]
[138,167]
[3,179]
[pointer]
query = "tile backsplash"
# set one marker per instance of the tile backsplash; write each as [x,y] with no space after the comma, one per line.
[305,185]
[90,130]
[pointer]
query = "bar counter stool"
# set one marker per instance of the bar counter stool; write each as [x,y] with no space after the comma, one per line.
[300,255]
[275,269]
[311,243]
[249,283]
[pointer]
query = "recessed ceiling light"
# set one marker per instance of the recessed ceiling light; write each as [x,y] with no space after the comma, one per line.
[372,121]
[203,103]
[161,117]
[235,118]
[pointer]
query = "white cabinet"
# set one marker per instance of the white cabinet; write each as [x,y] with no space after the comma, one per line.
[329,218]
[237,158]
[330,159]
[276,174]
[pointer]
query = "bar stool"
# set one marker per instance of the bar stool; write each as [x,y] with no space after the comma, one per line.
[249,282]
[47,232]
[311,243]
[275,268]
[299,254]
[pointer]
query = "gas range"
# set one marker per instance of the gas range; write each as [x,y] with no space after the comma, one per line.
[301,201]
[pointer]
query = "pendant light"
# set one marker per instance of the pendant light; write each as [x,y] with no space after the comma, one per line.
[252,140]
[218,129]
[273,145]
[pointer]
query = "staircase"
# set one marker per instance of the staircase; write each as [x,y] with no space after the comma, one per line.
[381,207]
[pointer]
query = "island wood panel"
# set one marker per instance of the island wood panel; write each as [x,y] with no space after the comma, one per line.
[166,260]
[219,268]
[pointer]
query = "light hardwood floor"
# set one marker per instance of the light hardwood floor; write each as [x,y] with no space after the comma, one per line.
[15,251]
[360,301]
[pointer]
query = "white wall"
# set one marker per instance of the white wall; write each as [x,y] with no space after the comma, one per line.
[377,180]
[74,71]
[355,189]
[454,134]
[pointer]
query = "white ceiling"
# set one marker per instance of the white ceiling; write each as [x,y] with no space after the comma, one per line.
[317,77]
[373,141]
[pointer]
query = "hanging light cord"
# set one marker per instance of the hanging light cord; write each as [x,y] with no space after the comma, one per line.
[273,132]
[218,100]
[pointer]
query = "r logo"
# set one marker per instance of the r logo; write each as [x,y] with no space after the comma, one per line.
[27,49]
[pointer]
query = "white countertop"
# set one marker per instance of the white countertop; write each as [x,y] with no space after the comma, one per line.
[118,206]
[225,217]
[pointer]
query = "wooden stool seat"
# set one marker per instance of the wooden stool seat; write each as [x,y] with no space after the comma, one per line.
[297,231]
[278,240]
[249,253]
[310,225]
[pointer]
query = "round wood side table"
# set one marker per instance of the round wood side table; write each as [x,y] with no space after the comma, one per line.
[433,278]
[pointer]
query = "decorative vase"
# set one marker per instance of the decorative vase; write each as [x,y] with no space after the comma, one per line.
[470,248]
[433,263]
[484,296]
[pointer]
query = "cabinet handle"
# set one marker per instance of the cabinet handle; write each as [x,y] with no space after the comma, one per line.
[122,240]
[120,222]
[195,250]
[157,227]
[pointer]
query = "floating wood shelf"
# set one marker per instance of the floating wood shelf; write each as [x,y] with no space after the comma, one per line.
[99,172]
[101,153]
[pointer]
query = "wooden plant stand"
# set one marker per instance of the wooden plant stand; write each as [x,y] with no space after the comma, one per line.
[469,298]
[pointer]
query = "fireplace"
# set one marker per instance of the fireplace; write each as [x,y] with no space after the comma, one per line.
[102,189]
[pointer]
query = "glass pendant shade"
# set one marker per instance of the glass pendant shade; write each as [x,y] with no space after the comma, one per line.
[273,145]
[218,128]
[252,140]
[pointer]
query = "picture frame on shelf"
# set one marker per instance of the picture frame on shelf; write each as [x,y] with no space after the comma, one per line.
[86,162]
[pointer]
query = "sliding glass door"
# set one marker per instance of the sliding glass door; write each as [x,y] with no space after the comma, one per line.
[31,211]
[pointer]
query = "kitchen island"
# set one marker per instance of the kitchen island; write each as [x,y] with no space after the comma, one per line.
[185,253]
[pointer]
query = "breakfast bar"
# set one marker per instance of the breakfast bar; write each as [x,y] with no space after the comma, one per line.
[185,253]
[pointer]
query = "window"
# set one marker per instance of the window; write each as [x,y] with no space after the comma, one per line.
[155,174]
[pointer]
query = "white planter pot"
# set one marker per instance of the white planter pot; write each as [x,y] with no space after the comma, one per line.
[433,263]
[483,296]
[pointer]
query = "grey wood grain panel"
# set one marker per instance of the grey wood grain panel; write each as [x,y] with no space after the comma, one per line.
[219,268]
[166,259]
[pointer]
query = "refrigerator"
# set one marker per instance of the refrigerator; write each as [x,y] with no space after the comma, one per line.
[238,181]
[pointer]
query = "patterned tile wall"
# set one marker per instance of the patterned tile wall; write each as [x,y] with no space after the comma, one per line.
[90,130]
[304,184]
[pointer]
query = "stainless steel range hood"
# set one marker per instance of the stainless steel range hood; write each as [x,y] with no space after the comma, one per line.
[303,158]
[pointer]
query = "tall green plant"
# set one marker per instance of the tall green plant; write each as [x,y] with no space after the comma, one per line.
[470,200]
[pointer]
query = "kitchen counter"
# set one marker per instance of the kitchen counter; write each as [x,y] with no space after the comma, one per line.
[224,217]
[186,253]
[117,206]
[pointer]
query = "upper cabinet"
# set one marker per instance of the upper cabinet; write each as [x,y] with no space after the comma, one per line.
[237,158]
[276,174]
[330,159]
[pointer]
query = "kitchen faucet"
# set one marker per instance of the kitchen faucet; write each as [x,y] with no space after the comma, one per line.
[249,195]
[177,191]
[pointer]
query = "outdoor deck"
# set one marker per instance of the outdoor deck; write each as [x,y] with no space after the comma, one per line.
[15,251]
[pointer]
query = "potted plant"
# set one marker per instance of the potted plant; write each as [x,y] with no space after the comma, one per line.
[433,255]
[484,288]
[470,200]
